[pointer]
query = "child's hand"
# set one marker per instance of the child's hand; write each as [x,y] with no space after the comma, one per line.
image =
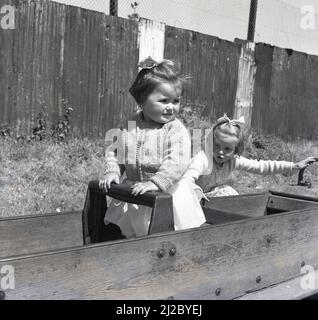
[304,163]
[142,187]
[109,178]
[199,194]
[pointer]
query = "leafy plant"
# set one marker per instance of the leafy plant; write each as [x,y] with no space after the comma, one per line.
[39,131]
[62,130]
[5,130]
[134,15]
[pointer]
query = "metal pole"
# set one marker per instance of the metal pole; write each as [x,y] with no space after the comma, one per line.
[252,20]
[113,8]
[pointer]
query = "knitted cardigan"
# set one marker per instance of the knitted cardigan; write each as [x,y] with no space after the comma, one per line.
[150,151]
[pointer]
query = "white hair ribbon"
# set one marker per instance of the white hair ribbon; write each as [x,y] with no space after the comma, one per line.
[234,122]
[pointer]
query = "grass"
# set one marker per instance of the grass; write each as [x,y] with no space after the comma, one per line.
[43,176]
[273,148]
[39,177]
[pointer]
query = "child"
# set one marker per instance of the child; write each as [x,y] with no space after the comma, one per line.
[157,145]
[224,146]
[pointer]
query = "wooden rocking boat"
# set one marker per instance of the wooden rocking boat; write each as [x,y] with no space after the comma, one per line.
[254,247]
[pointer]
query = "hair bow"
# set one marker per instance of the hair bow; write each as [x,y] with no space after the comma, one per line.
[233,122]
[148,63]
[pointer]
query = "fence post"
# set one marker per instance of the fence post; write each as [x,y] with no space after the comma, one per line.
[245,82]
[151,39]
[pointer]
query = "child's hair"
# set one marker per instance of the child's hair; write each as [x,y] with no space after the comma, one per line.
[231,128]
[152,74]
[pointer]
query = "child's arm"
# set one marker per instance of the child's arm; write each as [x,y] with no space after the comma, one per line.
[269,166]
[198,166]
[113,171]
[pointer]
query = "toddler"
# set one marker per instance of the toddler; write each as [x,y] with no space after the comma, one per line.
[154,145]
[224,145]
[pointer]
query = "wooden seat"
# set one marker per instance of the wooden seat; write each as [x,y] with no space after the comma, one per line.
[96,207]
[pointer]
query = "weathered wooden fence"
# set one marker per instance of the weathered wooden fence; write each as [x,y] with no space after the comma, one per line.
[65,56]
[286,93]
[62,56]
[213,66]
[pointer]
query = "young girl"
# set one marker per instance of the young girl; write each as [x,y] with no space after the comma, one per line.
[209,170]
[156,145]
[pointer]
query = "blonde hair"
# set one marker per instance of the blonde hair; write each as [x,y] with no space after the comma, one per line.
[233,130]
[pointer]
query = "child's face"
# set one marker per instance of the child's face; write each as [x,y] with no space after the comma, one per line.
[163,104]
[223,146]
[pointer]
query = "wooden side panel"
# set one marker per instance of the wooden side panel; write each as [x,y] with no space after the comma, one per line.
[287,204]
[296,192]
[251,205]
[289,290]
[26,235]
[235,258]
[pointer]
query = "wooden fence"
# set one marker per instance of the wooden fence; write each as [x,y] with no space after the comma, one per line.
[286,93]
[62,56]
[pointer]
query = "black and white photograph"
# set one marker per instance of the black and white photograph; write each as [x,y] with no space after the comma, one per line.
[158,150]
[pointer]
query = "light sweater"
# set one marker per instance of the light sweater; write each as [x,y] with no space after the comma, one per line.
[151,151]
[198,171]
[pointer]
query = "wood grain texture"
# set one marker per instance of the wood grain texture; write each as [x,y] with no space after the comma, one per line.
[251,205]
[245,84]
[212,64]
[288,290]
[63,56]
[30,234]
[285,88]
[296,192]
[287,204]
[229,257]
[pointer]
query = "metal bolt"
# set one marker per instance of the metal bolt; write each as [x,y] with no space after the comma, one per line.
[161,253]
[172,252]
[258,279]
[2,295]
[303,264]
[269,239]
[218,291]
[171,298]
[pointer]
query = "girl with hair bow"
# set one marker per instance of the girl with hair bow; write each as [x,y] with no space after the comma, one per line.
[154,152]
[209,170]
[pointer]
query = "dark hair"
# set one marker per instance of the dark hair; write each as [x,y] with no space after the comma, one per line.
[148,78]
[232,130]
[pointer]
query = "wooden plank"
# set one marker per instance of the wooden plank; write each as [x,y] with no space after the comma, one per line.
[288,290]
[236,258]
[151,39]
[289,204]
[246,82]
[214,216]
[251,205]
[30,234]
[296,192]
